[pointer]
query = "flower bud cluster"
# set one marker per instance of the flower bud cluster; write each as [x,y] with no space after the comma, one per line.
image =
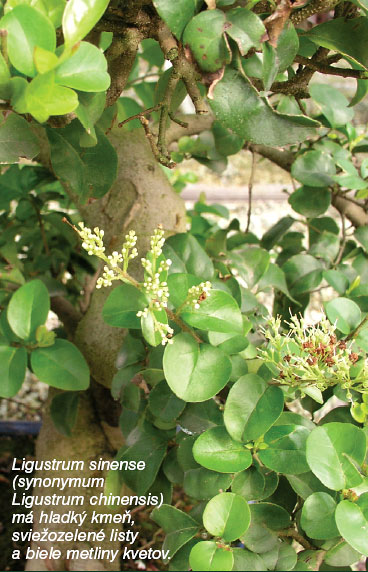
[157,241]
[311,355]
[196,294]
[92,242]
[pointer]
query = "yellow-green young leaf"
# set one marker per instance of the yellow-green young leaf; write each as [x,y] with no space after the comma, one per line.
[217,451]
[53,9]
[227,515]
[13,363]
[28,309]
[352,522]
[44,337]
[207,556]
[61,365]
[27,28]
[44,60]
[186,366]
[334,451]
[45,98]
[79,18]
[84,70]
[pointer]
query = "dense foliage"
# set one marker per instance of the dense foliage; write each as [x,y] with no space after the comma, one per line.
[217,397]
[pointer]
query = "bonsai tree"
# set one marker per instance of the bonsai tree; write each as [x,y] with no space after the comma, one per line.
[166,353]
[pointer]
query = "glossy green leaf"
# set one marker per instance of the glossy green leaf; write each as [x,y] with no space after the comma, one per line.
[287,46]
[177,14]
[64,410]
[203,484]
[361,234]
[179,527]
[44,98]
[286,452]
[219,312]
[61,365]
[318,516]
[303,273]
[149,328]
[207,556]
[204,35]
[256,483]
[352,522]
[44,60]
[163,402]
[228,343]
[245,28]
[121,307]
[333,453]
[251,263]
[269,65]
[305,484]
[227,515]
[85,70]
[13,364]
[238,106]
[334,105]
[28,309]
[275,277]
[217,451]
[197,417]
[17,140]
[314,169]
[27,28]
[186,365]
[341,554]
[252,407]
[337,280]
[187,255]
[336,35]
[246,560]
[79,18]
[277,231]
[345,313]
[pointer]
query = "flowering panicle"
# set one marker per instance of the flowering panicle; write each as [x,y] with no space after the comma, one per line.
[311,355]
[196,294]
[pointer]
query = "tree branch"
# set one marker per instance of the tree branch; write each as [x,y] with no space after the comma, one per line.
[314,7]
[66,312]
[330,70]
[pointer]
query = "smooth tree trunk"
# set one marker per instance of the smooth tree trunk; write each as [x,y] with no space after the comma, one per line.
[140,199]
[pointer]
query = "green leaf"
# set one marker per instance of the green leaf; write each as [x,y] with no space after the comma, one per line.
[345,313]
[205,37]
[219,312]
[5,89]
[148,445]
[177,14]
[121,307]
[225,141]
[318,516]
[179,527]
[337,280]
[217,451]
[179,284]
[245,28]
[269,65]
[361,235]
[89,111]
[286,449]
[164,404]
[252,407]
[207,556]
[13,364]
[336,35]
[333,451]
[187,255]
[79,17]
[227,515]
[246,560]
[341,554]
[44,60]
[303,273]
[306,484]
[352,522]
[28,309]
[85,70]
[274,276]
[333,103]
[27,28]
[251,262]
[287,46]
[63,410]
[17,139]
[256,483]
[203,484]
[266,520]
[44,98]
[186,364]
[314,168]
[239,107]
[61,365]
[277,231]
[149,328]
[197,417]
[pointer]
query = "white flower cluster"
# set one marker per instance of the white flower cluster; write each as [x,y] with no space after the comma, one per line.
[93,243]
[196,294]
[157,241]
[166,333]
